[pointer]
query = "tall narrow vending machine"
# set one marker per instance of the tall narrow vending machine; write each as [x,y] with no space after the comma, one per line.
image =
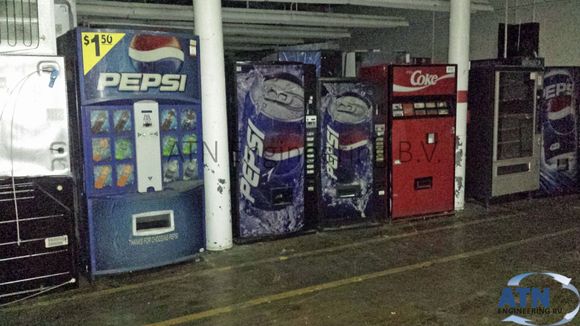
[353,179]
[559,120]
[504,134]
[136,107]
[275,183]
[421,101]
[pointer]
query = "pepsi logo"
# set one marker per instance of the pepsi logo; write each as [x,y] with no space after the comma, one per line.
[353,140]
[558,101]
[283,145]
[156,54]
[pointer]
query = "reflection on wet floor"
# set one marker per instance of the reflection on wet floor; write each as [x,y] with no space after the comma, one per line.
[445,271]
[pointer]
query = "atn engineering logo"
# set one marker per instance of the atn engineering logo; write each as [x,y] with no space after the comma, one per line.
[514,300]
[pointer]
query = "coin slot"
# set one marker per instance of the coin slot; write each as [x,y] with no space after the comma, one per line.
[348,191]
[511,169]
[423,183]
[563,164]
[282,196]
[431,138]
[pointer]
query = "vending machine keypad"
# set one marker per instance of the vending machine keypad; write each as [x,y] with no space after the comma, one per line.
[311,130]
[408,109]
[380,142]
[146,146]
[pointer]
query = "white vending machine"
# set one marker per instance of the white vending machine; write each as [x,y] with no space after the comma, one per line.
[37,204]
[37,209]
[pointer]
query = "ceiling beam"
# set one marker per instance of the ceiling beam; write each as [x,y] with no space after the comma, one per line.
[248,30]
[305,18]
[430,5]
[286,31]
[245,47]
[262,40]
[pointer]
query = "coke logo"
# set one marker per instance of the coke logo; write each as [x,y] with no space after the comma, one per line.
[419,79]
[424,81]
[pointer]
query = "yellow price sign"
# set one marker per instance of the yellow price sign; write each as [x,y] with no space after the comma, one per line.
[95,47]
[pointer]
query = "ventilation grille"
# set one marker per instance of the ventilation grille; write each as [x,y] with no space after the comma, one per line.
[19,25]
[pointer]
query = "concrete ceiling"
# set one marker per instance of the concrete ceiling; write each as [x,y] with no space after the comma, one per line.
[237,36]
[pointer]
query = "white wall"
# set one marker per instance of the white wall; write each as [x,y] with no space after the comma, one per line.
[559,32]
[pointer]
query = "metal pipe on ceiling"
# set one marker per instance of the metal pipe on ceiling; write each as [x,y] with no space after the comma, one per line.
[228,39]
[124,10]
[247,30]
[286,31]
[430,5]
[303,18]
[240,47]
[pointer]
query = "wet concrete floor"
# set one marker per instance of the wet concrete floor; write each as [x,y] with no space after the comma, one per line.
[444,271]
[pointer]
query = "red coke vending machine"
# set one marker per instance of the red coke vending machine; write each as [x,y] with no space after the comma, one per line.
[421,102]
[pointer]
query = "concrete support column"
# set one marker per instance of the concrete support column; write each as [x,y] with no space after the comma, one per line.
[459,28]
[218,215]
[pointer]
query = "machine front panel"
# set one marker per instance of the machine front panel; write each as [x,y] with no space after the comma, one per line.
[139,114]
[515,118]
[141,231]
[516,161]
[270,149]
[422,108]
[347,132]
[423,166]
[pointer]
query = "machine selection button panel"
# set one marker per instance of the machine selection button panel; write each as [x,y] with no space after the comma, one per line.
[311,130]
[311,121]
[420,109]
[147,146]
[380,142]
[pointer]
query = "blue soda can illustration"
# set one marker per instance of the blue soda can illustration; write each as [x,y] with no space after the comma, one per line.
[346,112]
[271,142]
[559,117]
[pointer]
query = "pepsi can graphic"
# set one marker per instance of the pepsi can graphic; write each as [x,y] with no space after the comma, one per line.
[161,54]
[271,144]
[559,129]
[346,112]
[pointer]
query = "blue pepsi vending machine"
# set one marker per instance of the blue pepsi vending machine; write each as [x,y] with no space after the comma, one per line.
[275,191]
[136,107]
[353,172]
[559,118]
